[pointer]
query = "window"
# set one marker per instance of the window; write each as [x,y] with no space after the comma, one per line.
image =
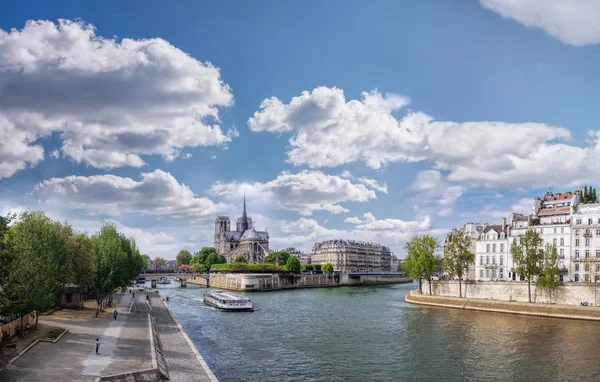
[587,267]
[577,267]
[562,229]
[493,260]
[501,247]
[576,232]
[562,241]
[587,278]
[597,231]
[487,273]
[577,242]
[554,241]
[69,297]
[481,260]
[598,253]
[562,253]
[578,222]
[577,254]
[494,248]
[481,274]
[501,262]
[590,222]
[587,242]
[515,241]
[487,260]
[576,278]
[598,220]
[597,267]
[554,229]
[487,247]
[587,253]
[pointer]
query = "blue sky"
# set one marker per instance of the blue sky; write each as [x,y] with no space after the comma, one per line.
[386,119]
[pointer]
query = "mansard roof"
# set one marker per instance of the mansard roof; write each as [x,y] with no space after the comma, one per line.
[494,227]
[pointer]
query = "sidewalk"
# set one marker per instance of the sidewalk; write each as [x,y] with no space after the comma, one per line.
[124,346]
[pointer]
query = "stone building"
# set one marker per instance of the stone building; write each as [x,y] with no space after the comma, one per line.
[473,231]
[303,257]
[492,252]
[353,256]
[585,237]
[244,241]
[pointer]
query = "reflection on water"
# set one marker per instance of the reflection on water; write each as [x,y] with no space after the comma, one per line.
[370,334]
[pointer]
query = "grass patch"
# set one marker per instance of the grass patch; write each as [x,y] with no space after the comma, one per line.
[54,333]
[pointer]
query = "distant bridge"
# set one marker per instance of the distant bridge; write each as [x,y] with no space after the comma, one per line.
[181,277]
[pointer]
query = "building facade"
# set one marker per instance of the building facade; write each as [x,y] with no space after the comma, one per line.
[353,256]
[473,231]
[585,236]
[492,253]
[244,241]
[303,257]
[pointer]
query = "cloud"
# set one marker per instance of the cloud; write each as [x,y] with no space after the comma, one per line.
[157,194]
[148,97]
[490,211]
[432,190]
[187,156]
[328,131]
[369,222]
[305,192]
[574,22]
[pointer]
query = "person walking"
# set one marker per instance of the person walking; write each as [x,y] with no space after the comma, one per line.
[97,345]
[115,313]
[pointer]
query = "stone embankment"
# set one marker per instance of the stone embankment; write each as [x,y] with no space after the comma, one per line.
[530,309]
[275,281]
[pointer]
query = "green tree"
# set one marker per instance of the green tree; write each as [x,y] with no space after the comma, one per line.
[327,268]
[200,257]
[292,264]
[458,256]
[80,263]
[421,259]
[36,276]
[183,257]
[159,261]
[528,256]
[278,257]
[549,279]
[197,267]
[240,259]
[213,258]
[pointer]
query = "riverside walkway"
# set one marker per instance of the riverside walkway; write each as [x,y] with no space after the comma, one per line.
[125,347]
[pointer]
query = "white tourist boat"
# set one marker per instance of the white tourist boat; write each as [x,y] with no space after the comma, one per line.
[227,301]
[164,280]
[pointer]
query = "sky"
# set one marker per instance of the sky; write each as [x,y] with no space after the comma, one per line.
[339,119]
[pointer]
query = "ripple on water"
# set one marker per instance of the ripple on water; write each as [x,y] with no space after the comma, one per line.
[370,334]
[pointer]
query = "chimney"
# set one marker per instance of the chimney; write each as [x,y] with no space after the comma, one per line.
[503,223]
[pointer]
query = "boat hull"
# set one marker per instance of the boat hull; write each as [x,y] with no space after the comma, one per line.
[227,309]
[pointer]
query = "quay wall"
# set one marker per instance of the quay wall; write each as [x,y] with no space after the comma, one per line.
[278,281]
[497,306]
[569,294]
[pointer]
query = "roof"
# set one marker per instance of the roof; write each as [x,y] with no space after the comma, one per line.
[232,235]
[550,197]
[554,211]
[250,234]
[496,227]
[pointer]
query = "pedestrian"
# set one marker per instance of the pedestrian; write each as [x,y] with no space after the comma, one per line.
[133,294]
[97,345]
[129,290]
[115,313]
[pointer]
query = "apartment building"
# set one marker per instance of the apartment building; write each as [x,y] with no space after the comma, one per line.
[353,256]
[473,230]
[585,260]
[492,253]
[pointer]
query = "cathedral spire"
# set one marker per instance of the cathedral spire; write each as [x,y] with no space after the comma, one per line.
[244,217]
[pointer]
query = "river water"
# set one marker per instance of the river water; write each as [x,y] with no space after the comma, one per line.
[371,334]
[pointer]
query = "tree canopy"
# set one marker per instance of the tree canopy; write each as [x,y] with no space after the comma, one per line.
[277,257]
[327,268]
[458,256]
[292,264]
[421,259]
[528,256]
[240,259]
[183,258]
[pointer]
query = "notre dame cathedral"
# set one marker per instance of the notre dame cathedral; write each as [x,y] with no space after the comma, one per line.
[244,241]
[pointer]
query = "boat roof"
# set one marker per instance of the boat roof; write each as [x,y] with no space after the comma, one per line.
[227,295]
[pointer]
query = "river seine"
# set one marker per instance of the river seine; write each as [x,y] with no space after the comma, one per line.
[370,334]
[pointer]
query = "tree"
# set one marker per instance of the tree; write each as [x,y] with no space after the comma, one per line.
[549,277]
[240,259]
[327,268]
[80,263]
[159,261]
[292,264]
[278,257]
[528,256]
[196,267]
[185,268]
[458,256]
[183,257]
[421,260]
[200,257]
[36,276]
[213,258]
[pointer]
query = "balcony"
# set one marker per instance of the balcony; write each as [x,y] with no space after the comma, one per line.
[587,234]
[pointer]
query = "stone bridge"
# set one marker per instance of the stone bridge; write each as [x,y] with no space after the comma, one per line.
[181,277]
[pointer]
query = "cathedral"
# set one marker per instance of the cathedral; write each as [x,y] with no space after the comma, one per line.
[244,241]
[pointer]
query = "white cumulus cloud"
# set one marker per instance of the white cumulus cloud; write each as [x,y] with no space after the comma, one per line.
[574,22]
[111,101]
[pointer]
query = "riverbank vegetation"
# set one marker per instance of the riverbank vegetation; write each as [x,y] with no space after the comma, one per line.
[204,260]
[40,258]
[458,256]
[422,260]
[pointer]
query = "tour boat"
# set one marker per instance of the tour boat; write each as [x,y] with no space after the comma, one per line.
[164,280]
[141,280]
[227,301]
